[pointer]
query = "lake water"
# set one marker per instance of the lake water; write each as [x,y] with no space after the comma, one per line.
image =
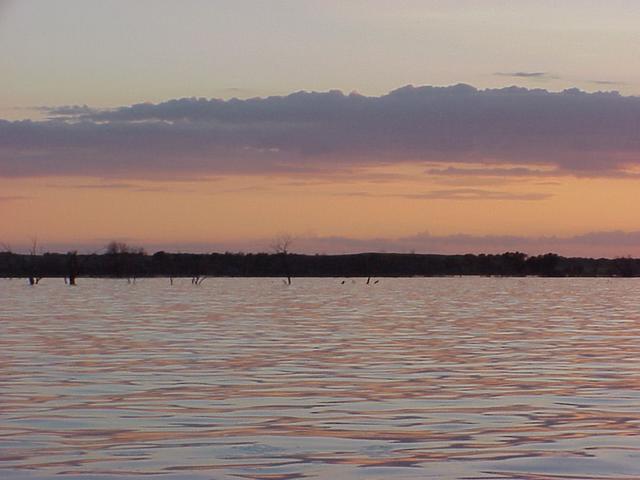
[444,378]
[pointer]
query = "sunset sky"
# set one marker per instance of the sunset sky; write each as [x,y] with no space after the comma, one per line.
[427,126]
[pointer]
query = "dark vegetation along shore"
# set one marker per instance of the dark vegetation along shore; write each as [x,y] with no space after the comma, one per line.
[133,265]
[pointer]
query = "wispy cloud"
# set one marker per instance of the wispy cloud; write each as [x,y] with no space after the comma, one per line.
[93,186]
[607,82]
[13,198]
[456,194]
[527,172]
[66,110]
[119,186]
[525,74]
[494,172]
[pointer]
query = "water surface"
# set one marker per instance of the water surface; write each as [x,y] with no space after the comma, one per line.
[445,378]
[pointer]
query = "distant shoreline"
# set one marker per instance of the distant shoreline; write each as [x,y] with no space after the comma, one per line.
[288,265]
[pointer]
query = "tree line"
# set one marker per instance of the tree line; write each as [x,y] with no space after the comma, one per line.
[135,263]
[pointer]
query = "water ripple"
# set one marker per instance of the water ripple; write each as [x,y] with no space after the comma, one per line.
[461,378]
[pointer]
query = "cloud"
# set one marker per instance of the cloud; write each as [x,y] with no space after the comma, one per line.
[525,172]
[315,134]
[95,186]
[66,110]
[525,74]
[456,194]
[120,186]
[592,244]
[493,172]
[606,82]
[13,198]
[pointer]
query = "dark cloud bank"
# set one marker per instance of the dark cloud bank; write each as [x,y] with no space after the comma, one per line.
[571,132]
[594,244]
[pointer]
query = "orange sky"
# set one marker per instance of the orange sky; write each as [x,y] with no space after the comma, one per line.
[234,210]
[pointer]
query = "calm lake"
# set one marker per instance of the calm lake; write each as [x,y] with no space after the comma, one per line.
[444,378]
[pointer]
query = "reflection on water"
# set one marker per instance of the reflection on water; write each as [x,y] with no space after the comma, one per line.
[461,378]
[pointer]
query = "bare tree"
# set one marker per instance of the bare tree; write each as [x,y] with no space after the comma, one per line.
[281,246]
[282,243]
[72,267]
[124,259]
[33,251]
[114,248]
[34,246]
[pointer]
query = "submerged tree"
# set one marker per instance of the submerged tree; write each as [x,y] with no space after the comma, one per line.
[72,267]
[34,279]
[281,246]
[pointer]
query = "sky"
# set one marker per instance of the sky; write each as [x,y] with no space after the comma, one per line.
[411,126]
